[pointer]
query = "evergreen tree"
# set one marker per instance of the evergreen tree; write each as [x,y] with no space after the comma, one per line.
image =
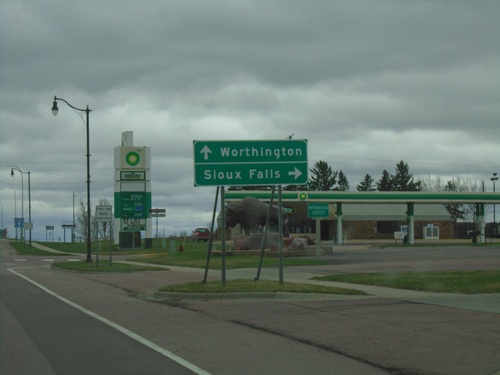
[385,182]
[322,177]
[295,187]
[366,184]
[403,179]
[343,184]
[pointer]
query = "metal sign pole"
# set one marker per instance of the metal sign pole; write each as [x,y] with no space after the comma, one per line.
[209,252]
[223,243]
[266,230]
[280,230]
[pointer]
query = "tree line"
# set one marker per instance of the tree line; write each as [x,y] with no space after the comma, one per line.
[323,178]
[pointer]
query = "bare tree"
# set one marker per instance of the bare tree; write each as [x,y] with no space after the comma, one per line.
[81,219]
[104,229]
[97,230]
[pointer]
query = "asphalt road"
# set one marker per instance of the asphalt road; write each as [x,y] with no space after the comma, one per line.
[338,335]
[43,334]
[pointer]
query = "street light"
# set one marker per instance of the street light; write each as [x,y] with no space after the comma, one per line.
[15,167]
[494,179]
[55,110]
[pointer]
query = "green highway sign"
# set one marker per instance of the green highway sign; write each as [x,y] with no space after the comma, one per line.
[317,210]
[250,162]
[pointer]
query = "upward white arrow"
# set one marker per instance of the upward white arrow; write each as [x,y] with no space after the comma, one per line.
[205,150]
[295,172]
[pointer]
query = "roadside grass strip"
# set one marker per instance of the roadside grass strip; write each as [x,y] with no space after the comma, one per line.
[461,282]
[103,267]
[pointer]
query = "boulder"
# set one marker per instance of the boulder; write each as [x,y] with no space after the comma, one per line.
[299,244]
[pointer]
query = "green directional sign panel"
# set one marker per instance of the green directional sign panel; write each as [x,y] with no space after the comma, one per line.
[250,162]
[317,210]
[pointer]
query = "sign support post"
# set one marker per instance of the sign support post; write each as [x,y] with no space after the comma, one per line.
[318,211]
[157,212]
[104,214]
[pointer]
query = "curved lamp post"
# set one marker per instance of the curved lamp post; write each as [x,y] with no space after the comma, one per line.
[55,110]
[15,167]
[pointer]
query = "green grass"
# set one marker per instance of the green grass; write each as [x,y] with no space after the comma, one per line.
[464,282]
[262,286]
[198,259]
[103,267]
[25,249]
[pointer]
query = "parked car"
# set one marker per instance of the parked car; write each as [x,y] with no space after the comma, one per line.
[200,234]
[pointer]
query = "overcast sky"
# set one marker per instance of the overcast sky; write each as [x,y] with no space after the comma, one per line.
[367,83]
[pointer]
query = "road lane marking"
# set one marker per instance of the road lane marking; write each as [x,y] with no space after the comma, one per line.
[119,328]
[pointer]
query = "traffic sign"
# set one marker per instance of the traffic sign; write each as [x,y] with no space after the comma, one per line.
[250,162]
[154,214]
[104,213]
[317,210]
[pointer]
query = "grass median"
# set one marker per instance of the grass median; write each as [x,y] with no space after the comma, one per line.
[81,266]
[463,282]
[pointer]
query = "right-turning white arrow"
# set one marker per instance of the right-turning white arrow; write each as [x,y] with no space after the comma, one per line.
[295,172]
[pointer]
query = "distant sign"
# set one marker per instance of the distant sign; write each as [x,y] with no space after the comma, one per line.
[317,210]
[104,213]
[133,175]
[133,224]
[399,235]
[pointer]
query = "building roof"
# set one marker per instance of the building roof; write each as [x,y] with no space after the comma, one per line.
[393,212]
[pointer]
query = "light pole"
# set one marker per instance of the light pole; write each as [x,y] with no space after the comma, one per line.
[15,167]
[55,110]
[15,201]
[1,229]
[494,179]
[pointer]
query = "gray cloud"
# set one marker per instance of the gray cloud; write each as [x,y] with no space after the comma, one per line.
[368,83]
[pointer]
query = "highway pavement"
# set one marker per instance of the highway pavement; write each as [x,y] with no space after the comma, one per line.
[47,319]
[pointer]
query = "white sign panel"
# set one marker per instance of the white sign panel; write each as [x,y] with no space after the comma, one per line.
[104,213]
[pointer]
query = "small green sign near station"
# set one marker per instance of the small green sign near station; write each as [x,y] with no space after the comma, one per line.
[317,210]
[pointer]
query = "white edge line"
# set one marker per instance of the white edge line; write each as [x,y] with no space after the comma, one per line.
[119,328]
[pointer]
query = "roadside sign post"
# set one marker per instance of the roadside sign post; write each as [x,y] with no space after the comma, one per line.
[250,163]
[318,211]
[157,212]
[49,230]
[104,214]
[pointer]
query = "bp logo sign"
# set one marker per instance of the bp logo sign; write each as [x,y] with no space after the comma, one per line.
[133,158]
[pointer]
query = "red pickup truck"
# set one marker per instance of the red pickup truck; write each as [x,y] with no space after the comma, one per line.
[200,234]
